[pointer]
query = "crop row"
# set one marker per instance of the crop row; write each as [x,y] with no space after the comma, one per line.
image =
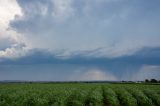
[79,95]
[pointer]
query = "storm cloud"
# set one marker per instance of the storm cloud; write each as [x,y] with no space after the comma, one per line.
[118,68]
[95,39]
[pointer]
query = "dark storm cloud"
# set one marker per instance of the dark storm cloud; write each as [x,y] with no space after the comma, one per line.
[148,56]
[118,65]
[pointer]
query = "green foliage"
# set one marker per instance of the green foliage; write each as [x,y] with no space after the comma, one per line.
[79,95]
[94,98]
[110,97]
[125,98]
[142,99]
[153,95]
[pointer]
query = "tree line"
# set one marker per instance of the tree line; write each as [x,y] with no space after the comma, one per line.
[152,81]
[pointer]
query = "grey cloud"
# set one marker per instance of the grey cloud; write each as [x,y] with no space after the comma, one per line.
[5,43]
[117,25]
[118,66]
[147,72]
[143,56]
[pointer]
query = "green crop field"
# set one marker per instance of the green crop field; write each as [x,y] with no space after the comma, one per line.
[79,94]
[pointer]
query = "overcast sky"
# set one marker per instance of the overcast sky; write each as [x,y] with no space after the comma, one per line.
[63,40]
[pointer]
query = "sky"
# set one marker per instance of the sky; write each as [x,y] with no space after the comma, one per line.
[79,40]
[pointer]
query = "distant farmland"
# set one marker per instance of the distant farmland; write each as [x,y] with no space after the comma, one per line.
[79,94]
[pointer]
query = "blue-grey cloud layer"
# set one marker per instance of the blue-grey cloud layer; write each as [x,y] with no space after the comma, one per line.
[38,62]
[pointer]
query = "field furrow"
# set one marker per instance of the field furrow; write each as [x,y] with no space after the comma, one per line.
[142,99]
[125,98]
[110,97]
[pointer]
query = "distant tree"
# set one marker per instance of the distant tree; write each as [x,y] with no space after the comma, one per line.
[153,81]
[146,80]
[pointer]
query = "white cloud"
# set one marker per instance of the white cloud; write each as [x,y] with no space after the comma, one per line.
[11,42]
[92,75]
[8,10]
